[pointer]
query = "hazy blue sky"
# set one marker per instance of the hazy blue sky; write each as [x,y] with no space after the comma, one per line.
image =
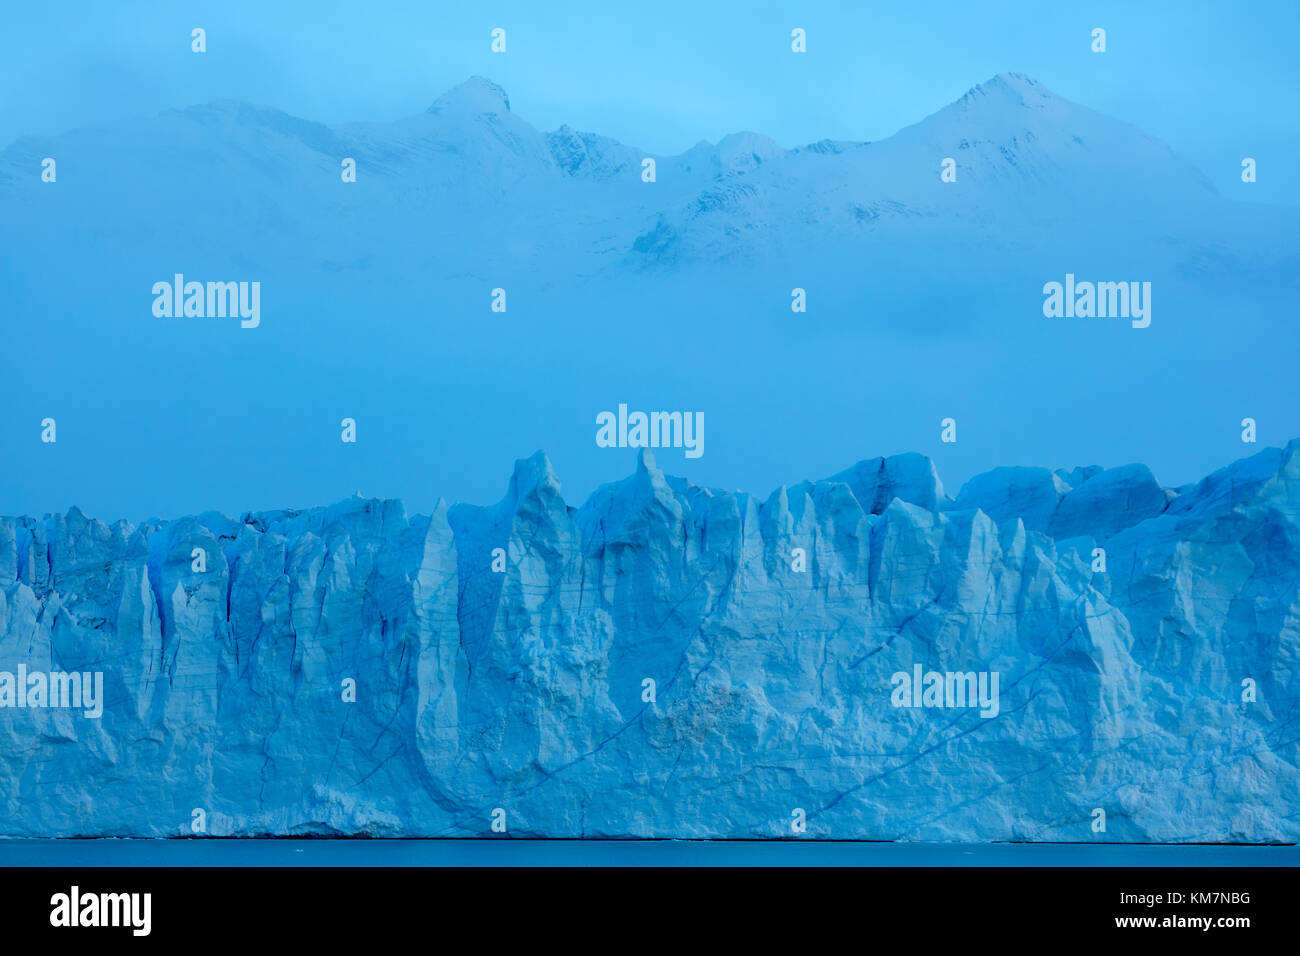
[1215,80]
[173,418]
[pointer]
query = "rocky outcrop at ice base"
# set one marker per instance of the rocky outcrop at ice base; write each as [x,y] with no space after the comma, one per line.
[1120,690]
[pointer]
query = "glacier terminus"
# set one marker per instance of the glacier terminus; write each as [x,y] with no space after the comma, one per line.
[660,662]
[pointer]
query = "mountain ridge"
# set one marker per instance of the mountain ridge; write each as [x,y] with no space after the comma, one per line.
[1026,161]
[479,97]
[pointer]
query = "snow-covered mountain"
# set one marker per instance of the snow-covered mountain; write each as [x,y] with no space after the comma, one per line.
[473,183]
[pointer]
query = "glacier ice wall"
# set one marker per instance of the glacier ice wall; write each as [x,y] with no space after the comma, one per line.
[523,689]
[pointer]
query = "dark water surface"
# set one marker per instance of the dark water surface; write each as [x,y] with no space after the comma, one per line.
[508,852]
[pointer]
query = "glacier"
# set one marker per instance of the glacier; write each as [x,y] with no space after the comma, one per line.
[520,694]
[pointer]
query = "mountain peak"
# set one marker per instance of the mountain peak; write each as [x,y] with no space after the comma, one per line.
[477,94]
[746,150]
[1015,88]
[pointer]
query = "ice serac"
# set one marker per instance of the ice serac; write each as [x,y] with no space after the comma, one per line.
[658,663]
[910,477]
[1031,494]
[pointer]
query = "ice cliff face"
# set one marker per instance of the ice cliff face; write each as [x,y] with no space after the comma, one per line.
[525,689]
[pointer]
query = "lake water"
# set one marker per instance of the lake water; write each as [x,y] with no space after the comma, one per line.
[508,852]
